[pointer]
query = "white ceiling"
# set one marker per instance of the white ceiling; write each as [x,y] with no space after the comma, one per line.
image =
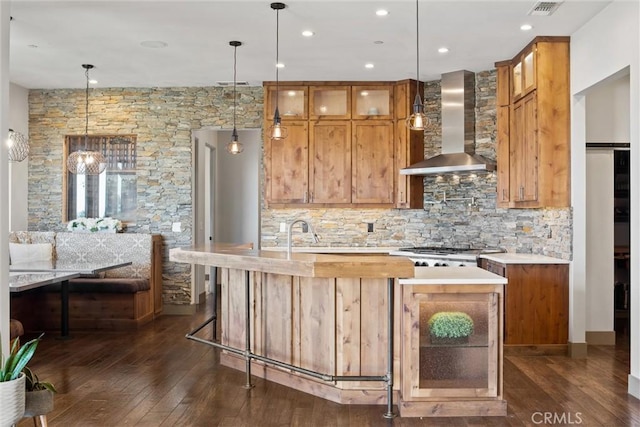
[51,39]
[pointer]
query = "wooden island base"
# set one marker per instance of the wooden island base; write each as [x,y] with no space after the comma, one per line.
[351,329]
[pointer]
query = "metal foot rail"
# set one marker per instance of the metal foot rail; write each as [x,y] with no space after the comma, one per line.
[248,354]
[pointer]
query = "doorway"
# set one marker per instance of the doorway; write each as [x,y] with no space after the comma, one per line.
[608,286]
[226,196]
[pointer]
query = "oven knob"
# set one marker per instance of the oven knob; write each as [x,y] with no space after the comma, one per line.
[437,264]
[444,264]
[425,264]
[417,264]
[462,265]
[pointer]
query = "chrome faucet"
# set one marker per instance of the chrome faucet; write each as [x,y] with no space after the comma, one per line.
[302,221]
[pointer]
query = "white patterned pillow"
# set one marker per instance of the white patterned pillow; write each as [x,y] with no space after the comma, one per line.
[27,252]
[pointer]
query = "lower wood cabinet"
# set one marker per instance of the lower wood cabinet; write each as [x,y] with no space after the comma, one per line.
[536,304]
[452,377]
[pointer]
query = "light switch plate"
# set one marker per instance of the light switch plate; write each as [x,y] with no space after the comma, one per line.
[176,227]
[283,227]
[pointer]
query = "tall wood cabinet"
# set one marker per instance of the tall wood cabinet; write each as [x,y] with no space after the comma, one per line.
[347,142]
[533,126]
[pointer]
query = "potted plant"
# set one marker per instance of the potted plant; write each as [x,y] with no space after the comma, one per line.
[39,395]
[450,327]
[12,381]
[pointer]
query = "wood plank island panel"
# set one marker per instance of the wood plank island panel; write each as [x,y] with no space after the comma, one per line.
[334,326]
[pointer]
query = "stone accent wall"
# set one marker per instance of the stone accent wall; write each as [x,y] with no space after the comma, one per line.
[162,119]
[454,223]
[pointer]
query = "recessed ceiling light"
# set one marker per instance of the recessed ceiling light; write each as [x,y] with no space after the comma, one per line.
[93,81]
[154,44]
[382,12]
[526,27]
[32,46]
[443,49]
[307,33]
[280,65]
[291,93]
[378,42]
[369,65]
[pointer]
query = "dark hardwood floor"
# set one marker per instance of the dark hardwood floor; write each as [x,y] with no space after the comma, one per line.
[156,377]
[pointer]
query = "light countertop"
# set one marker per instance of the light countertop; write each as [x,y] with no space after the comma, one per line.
[453,276]
[506,258]
[372,265]
[335,249]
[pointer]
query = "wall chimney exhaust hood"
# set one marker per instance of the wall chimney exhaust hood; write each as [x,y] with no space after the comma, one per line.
[458,130]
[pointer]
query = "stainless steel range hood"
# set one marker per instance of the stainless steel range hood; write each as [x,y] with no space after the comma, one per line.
[458,130]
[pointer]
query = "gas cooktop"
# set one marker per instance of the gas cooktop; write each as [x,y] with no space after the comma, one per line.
[435,250]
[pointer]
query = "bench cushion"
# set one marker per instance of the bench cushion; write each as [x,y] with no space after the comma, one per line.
[106,285]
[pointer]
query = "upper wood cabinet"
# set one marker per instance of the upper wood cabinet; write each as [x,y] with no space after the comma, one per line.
[286,165]
[372,102]
[329,102]
[330,161]
[409,147]
[533,129]
[345,145]
[373,161]
[292,102]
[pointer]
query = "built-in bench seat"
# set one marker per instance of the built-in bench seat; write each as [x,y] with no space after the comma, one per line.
[122,298]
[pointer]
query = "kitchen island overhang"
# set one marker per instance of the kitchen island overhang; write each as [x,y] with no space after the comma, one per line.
[338,315]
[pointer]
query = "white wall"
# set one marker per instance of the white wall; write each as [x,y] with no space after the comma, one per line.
[606,45]
[4,178]
[238,196]
[19,172]
[608,111]
[600,242]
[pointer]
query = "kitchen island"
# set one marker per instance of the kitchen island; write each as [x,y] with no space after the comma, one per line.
[320,323]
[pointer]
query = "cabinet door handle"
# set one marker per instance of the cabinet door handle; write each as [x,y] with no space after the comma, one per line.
[521,192]
[504,194]
[305,197]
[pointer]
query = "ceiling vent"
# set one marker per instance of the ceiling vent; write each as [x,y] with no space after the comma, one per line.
[230,83]
[544,8]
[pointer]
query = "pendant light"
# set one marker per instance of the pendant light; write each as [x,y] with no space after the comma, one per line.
[418,120]
[277,131]
[85,162]
[235,146]
[18,146]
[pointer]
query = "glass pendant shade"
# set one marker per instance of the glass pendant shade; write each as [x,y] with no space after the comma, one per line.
[277,131]
[418,120]
[18,146]
[86,162]
[235,146]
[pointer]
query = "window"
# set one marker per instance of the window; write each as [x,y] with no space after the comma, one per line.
[110,194]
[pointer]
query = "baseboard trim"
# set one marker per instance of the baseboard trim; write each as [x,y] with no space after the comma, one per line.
[535,349]
[600,337]
[178,310]
[634,386]
[578,350]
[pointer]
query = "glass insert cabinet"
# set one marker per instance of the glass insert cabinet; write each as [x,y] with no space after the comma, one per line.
[452,350]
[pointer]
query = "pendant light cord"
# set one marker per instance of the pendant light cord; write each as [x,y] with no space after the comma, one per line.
[417,48]
[277,57]
[235,50]
[86,112]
